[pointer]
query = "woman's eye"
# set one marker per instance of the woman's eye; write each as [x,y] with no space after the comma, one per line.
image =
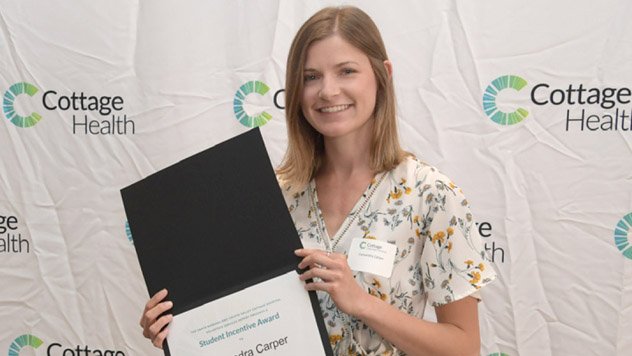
[309,77]
[348,71]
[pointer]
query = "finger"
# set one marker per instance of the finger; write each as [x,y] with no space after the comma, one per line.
[156,328]
[317,258]
[156,298]
[160,338]
[151,315]
[151,303]
[324,274]
[302,252]
[314,286]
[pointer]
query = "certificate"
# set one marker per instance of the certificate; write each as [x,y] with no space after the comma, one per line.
[215,231]
[261,319]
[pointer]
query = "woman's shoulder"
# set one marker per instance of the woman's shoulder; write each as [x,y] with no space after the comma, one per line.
[412,169]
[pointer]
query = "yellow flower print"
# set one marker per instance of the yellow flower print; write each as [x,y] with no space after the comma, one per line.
[449,246]
[377,283]
[370,237]
[452,185]
[416,219]
[439,236]
[476,277]
[469,263]
[396,194]
[333,339]
[383,296]
[450,231]
[408,190]
[481,266]
[418,232]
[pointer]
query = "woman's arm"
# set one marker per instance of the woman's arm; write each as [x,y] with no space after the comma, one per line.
[456,332]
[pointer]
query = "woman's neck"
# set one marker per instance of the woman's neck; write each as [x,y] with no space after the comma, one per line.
[346,156]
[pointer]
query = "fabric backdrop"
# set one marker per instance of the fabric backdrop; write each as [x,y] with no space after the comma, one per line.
[525,105]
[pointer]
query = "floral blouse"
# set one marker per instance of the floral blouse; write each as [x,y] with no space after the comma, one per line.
[439,258]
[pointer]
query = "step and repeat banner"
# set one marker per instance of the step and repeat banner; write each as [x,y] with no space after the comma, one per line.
[527,106]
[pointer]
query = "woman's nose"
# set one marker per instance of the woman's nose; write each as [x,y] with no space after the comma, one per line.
[329,88]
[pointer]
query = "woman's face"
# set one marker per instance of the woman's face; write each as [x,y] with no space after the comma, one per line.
[339,90]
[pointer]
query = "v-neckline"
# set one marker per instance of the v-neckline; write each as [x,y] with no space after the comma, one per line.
[332,242]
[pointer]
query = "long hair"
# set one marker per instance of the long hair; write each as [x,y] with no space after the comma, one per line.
[305,149]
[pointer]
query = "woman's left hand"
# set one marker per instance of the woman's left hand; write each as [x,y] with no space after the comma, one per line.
[336,279]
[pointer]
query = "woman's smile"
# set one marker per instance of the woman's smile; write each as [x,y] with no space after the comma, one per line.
[334,109]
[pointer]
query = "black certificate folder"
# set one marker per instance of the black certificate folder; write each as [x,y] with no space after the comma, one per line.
[212,225]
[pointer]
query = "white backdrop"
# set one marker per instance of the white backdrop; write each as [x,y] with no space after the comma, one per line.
[548,191]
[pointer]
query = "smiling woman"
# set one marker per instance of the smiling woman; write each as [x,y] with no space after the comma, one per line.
[383,233]
[347,181]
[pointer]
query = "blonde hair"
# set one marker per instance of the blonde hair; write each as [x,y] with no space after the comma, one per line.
[305,145]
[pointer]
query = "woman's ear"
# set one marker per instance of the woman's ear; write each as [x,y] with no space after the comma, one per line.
[389,68]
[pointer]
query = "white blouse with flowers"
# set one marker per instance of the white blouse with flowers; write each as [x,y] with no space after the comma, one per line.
[439,257]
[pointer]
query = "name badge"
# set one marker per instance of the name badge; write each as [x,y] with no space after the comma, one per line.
[372,256]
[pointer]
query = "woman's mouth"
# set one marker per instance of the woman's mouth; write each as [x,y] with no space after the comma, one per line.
[332,109]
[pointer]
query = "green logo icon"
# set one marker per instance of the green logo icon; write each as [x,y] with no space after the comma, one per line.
[489,100]
[623,235]
[23,341]
[9,101]
[128,232]
[238,104]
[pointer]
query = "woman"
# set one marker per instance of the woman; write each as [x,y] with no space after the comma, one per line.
[346,180]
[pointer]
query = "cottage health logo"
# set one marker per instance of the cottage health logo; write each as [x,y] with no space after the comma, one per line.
[367,245]
[260,118]
[8,105]
[623,236]
[586,108]
[128,232]
[91,114]
[57,349]
[489,100]
[22,341]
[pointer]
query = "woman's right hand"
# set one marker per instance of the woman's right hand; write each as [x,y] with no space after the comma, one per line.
[152,323]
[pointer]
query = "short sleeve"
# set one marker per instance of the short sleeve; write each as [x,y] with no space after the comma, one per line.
[453,263]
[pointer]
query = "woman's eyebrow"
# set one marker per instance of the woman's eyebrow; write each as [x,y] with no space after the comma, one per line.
[341,64]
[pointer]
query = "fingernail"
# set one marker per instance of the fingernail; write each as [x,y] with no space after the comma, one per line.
[169,304]
[297,251]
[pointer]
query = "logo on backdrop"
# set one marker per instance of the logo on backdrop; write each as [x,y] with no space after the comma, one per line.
[623,236]
[11,240]
[24,341]
[56,348]
[91,115]
[587,108]
[489,100]
[495,253]
[128,232]
[8,105]
[259,118]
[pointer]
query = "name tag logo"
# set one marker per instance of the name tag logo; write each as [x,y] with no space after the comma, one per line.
[376,257]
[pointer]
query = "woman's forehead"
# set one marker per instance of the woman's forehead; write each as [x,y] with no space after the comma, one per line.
[333,51]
